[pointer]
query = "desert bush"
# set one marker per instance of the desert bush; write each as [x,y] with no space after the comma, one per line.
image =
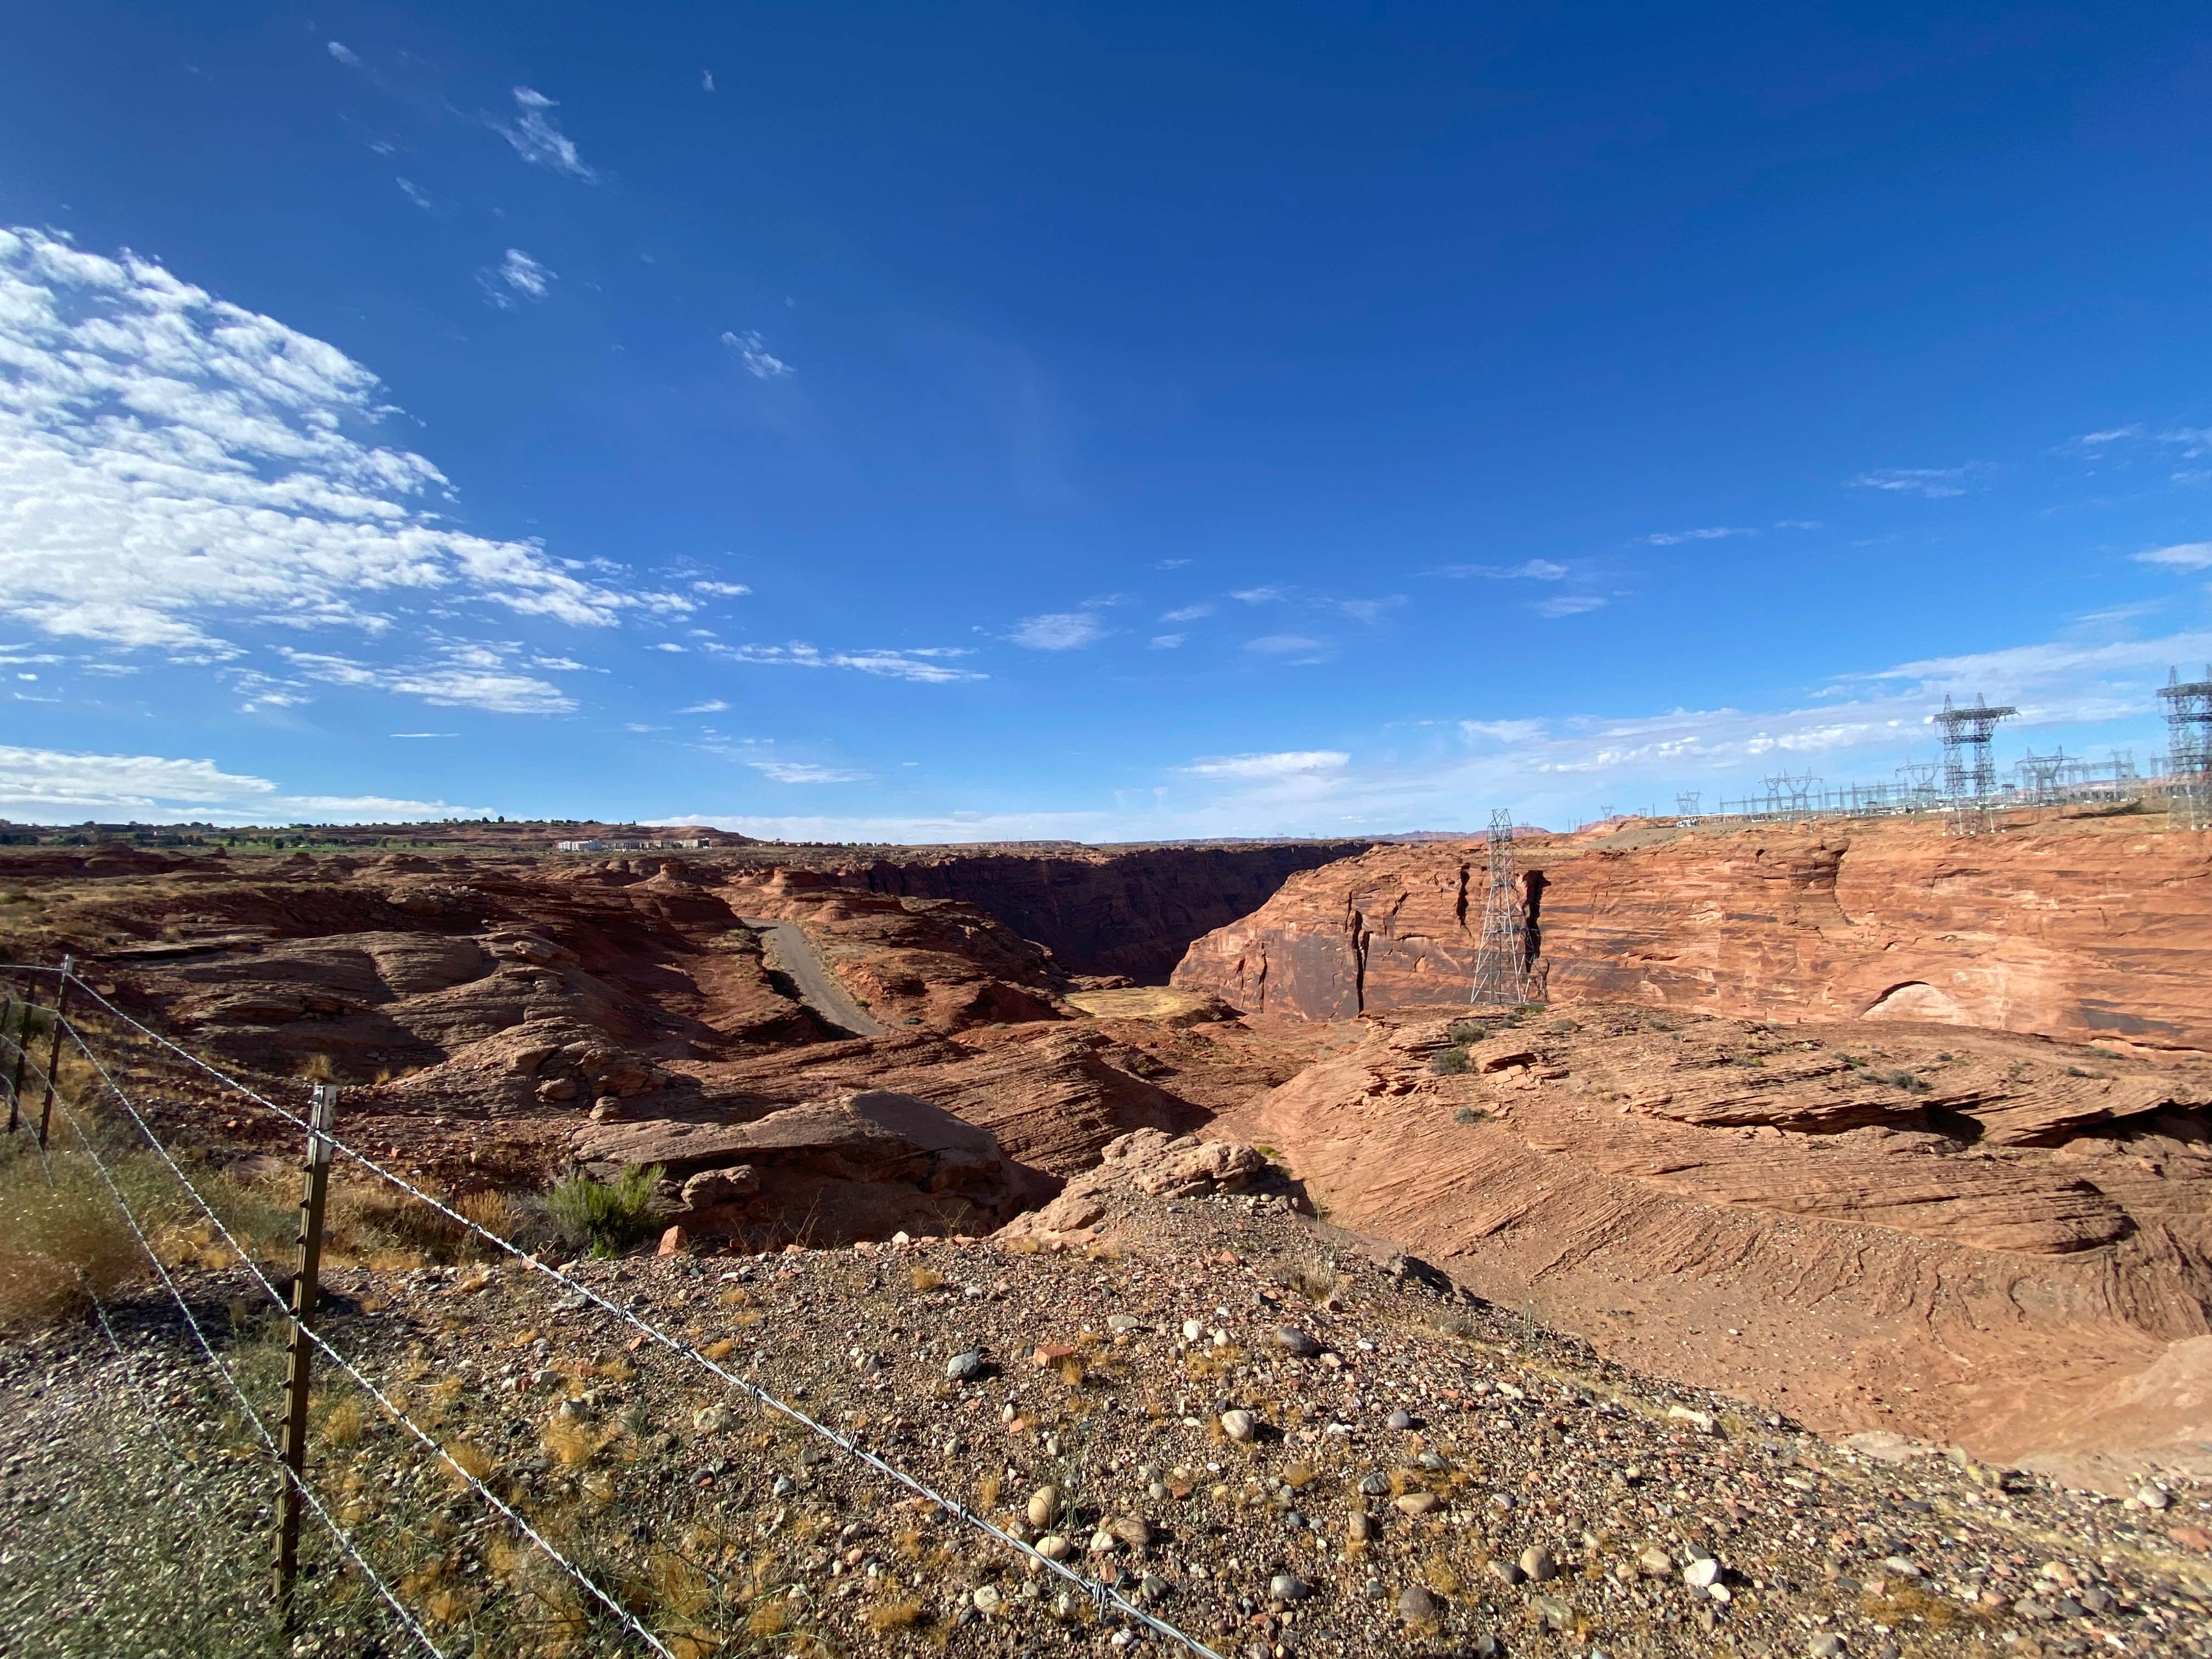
[603,1216]
[1450,1062]
[1470,1114]
[64,1237]
[1901,1078]
[1464,1032]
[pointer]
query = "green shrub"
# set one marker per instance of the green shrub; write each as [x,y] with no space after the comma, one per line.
[606,1218]
[1470,1114]
[1464,1032]
[1450,1062]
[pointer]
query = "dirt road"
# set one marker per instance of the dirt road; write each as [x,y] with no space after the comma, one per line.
[787,950]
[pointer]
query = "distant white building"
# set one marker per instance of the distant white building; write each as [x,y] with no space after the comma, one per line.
[630,845]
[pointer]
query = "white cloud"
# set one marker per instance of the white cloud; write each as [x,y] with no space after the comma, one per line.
[471,677]
[1301,646]
[45,786]
[1266,595]
[1716,533]
[1799,524]
[426,734]
[1932,483]
[721,590]
[2183,556]
[2112,435]
[1537,570]
[1170,564]
[1293,763]
[538,140]
[712,706]
[344,54]
[1369,611]
[752,351]
[417,195]
[706,80]
[919,665]
[1186,613]
[668,645]
[792,772]
[517,274]
[1505,731]
[1168,641]
[1059,630]
[168,460]
[1569,605]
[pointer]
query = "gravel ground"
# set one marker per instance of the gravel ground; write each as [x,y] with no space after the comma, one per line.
[1277,1445]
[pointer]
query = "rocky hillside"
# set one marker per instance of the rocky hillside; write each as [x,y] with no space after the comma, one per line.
[1282,1443]
[2089,929]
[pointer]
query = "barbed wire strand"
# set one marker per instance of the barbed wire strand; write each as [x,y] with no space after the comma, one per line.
[1103,1596]
[244,1405]
[368,1388]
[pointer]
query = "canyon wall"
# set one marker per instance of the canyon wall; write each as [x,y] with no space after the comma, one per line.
[1129,911]
[2093,929]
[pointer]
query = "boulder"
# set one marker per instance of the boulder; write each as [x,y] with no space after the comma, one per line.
[862,1166]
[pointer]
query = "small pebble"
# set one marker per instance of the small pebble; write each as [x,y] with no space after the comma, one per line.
[1238,1424]
[1401,1419]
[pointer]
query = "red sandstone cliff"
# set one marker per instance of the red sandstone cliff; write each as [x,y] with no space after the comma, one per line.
[2090,929]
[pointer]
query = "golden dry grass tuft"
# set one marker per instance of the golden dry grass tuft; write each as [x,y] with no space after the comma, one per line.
[894,1615]
[927,1277]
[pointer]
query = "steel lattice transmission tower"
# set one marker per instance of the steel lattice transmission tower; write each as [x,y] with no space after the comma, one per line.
[2188,749]
[1970,764]
[1501,963]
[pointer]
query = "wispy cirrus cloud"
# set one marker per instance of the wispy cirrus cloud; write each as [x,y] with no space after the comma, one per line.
[467,677]
[712,706]
[1188,613]
[721,590]
[750,350]
[1533,570]
[538,140]
[175,465]
[2182,556]
[1284,763]
[798,772]
[927,667]
[1065,630]
[1933,483]
[517,275]
[1569,605]
[1710,533]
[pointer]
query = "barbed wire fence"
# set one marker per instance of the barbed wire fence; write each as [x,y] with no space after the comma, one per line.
[135,1050]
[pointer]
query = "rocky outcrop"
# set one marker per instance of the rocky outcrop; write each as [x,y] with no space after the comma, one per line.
[2094,929]
[1148,1162]
[1963,1235]
[863,1166]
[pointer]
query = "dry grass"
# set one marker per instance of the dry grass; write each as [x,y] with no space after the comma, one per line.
[343,1423]
[719,1350]
[770,1619]
[894,1615]
[927,1277]
[473,1460]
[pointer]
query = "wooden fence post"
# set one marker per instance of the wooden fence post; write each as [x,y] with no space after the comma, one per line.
[299,1351]
[54,1049]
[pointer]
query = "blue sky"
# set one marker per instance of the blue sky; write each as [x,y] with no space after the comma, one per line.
[1108,422]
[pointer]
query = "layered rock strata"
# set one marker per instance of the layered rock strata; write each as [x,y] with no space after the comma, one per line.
[1980,1238]
[2090,929]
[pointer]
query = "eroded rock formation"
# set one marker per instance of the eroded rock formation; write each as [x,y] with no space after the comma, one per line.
[2096,928]
[1865,1225]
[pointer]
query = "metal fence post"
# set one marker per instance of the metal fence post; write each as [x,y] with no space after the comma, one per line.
[20,1008]
[299,1352]
[54,1051]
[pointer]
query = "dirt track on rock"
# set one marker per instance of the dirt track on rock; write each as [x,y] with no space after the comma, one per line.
[791,954]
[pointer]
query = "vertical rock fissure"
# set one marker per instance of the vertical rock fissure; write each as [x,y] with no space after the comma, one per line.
[1358,962]
[1461,907]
